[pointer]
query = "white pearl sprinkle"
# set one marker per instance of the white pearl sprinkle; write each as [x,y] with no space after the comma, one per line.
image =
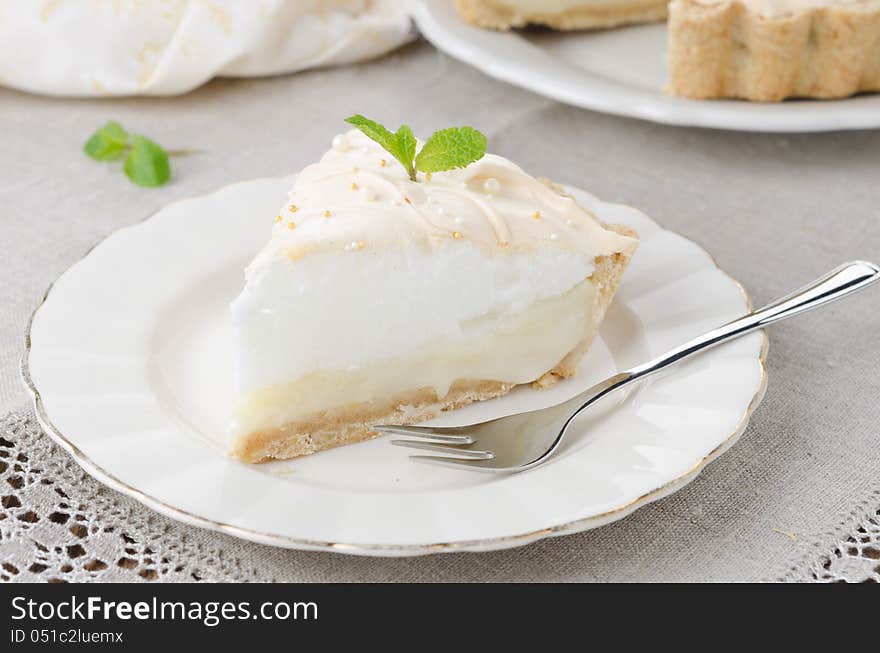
[353,245]
[367,194]
[554,236]
[440,210]
[340,142]
[365,149]
[491,186]
[569,222]
[458,219]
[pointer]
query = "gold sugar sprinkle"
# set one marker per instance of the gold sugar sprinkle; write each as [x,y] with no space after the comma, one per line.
[789,534]
[536,215]
[291,225]
[408,200]
[277,218]
[382,163]
[360,244]
[327,214]
[292,208]
[354,185]
[457,235]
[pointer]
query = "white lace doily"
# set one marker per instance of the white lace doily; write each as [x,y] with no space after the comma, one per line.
[856,559]
[57,524]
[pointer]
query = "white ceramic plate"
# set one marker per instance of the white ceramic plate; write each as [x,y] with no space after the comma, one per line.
[129,364]
[622,71]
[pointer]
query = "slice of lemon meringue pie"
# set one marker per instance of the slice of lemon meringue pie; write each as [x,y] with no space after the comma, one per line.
[383,300]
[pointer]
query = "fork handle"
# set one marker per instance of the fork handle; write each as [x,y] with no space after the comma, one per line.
[838,283]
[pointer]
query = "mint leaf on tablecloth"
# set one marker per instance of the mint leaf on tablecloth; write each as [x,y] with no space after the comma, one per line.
[147,162]
[108,143]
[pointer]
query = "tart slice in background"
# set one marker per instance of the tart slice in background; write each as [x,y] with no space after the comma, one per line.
[758,50]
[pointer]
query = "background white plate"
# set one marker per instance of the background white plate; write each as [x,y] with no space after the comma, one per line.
[128,361]
[623,72]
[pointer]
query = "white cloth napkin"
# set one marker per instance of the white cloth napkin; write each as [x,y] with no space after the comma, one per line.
[167,47]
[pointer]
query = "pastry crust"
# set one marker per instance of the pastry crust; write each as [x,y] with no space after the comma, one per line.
[769,52]
[351,424]
[494,15]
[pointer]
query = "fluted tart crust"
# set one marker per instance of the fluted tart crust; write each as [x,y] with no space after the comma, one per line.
[767,51]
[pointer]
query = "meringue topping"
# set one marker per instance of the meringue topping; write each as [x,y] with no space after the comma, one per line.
[492,203]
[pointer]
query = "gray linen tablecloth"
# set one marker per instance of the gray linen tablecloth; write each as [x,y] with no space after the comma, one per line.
[775,211]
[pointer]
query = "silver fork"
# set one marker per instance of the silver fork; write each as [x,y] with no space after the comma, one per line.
[525,440]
